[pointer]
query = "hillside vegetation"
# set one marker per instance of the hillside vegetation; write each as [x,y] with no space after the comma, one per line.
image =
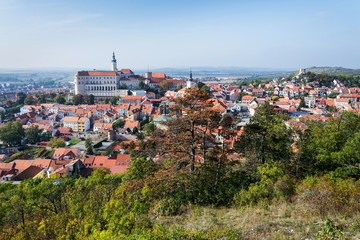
[286,184]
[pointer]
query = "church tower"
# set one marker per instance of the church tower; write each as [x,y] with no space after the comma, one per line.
[190,83]
[114,64]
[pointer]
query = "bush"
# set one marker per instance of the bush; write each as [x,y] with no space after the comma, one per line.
[273,184]
[168,207]
[324,196]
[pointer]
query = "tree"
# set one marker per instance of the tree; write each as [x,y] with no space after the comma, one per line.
[302,104]
[140,168]
[329,146]
[141,85]
[91,99]
[119,123]
[42,99]
[33,134]
[12,133]
[266,138]
[61,100]
[191,129]
[88,143]
[56,142]
[123,86]
[206,88]
[148,129]
[78,99]
[114,100]
[89,146]
[178,87]
[20,97]
[29,100]
[164,85]
[9,103]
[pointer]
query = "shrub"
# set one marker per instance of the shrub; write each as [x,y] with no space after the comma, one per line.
[325,196]
[273,184]
[168,206]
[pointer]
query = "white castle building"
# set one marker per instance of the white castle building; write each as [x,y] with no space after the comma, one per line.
[117,82]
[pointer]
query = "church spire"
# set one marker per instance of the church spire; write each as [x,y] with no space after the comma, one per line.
[190,83]
[113,61]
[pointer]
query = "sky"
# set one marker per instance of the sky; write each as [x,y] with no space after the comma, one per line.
[274,34]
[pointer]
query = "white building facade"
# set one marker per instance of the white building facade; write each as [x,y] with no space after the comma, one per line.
[106,83]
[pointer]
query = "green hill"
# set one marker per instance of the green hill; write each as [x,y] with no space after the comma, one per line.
[334,70]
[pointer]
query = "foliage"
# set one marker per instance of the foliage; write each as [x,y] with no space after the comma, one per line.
[12,133]
[29,100]
[266,137]
[119,123]
[325,147]
[325,196]
[329,231]
[60,99]
[148,129]
[272,183]
[33,134]
[114,100]
[56,142]
[164,85]
[78,99]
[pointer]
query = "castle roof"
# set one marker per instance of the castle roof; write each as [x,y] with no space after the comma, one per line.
[96,73]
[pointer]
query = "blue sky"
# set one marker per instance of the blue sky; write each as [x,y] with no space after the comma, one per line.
[82,34]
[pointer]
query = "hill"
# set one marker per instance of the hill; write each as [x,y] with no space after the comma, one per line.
[333,70]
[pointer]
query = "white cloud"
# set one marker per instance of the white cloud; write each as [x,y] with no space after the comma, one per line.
[69,21]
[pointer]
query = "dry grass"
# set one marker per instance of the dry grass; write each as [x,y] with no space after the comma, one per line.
[277,221]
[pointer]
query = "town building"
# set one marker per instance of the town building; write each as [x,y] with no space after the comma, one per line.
[103,84]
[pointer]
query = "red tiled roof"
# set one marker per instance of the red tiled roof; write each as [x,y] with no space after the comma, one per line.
[158,75]
[96,73]
[131,124]
[127,71]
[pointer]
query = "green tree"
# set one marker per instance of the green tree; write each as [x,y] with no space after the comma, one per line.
[29,100]
[56,142]
[123,86]
[77,99]
[119,123]
[89,146]
[141,85]
[91,99]
[148,129]
[12,133]
[164,85]
[302,104]
[140,168]
[330,146]
[266,137]
[206,88]
[114,100]
[20,97]
[61,100]
[33,134]
[178,87]
[42,99]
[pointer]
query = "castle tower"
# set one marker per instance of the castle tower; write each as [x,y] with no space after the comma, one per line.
[190,83]
[114,64]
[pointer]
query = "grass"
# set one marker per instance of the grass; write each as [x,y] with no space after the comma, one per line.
[74,141]
[277,221]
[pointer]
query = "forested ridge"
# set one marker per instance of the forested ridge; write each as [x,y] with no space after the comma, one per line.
[289,182]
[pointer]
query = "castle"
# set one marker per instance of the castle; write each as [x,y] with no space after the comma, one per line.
[116,82]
